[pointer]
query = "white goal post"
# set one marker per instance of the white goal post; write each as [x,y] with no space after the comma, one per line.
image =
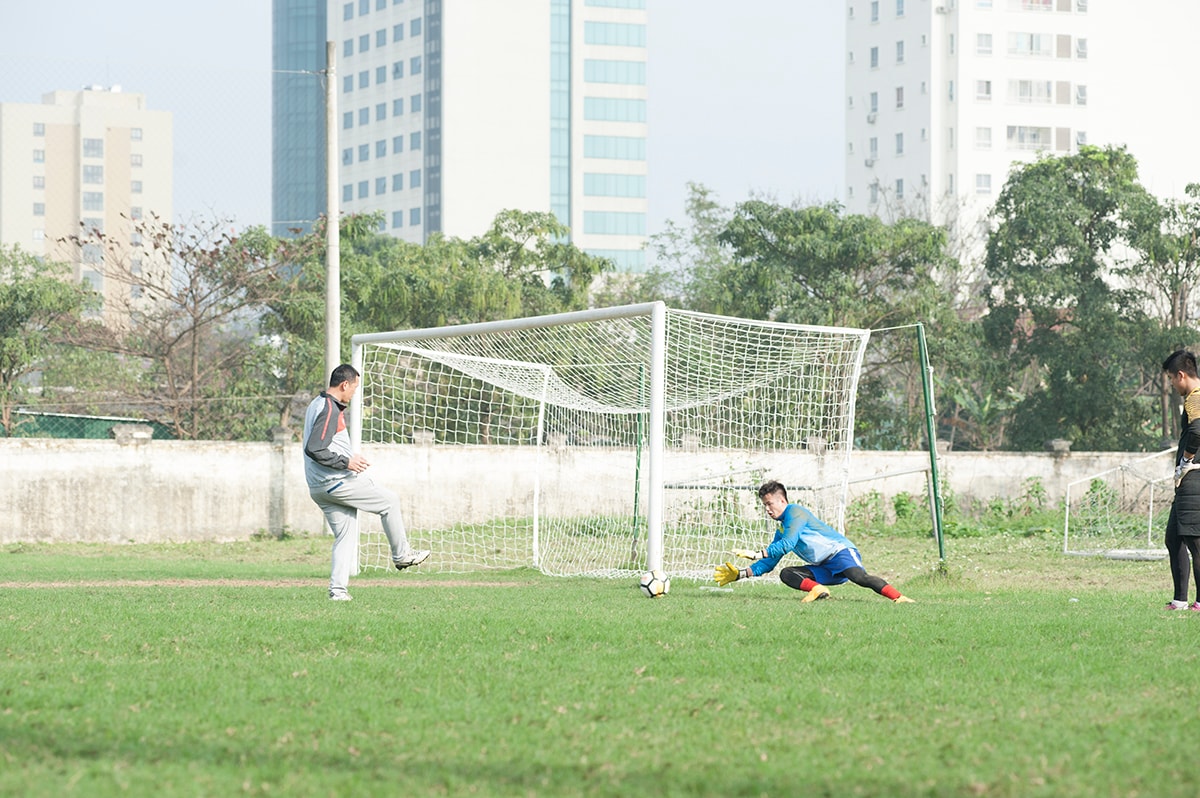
[1121,513]
[603,442]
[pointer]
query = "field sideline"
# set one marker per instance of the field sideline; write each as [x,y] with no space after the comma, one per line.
[209,669]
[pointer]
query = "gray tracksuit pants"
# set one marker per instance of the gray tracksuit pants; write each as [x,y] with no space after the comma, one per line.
[340,502]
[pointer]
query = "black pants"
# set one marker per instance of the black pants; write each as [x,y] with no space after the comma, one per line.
[794,575]
[1179,549]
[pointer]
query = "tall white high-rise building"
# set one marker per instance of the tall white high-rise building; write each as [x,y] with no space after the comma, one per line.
[82,160]
[450,111]
[943,96]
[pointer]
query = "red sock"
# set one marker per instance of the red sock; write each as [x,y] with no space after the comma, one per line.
[807,585]
[890,592]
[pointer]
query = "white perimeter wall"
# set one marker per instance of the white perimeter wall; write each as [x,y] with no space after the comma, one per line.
[160,491]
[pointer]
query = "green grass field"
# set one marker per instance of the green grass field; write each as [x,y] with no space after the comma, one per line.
[223,670]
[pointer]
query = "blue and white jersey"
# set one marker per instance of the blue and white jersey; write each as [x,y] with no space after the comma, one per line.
[802,533]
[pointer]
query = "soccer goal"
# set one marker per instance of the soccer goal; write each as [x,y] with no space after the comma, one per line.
[603,442]
[1121,513]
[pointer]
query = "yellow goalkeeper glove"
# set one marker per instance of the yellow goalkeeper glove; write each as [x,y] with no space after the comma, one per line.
[726,574]
[749,555]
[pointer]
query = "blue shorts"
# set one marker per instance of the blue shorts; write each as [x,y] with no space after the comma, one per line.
[827,573]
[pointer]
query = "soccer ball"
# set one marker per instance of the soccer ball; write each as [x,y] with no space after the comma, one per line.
[655,583]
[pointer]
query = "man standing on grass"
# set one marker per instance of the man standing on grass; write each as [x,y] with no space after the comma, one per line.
[1183,524]
[830,559]
[338,485]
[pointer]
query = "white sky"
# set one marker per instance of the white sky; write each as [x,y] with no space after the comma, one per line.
[745,97]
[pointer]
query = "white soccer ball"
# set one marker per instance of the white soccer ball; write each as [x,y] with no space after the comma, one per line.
[655,583]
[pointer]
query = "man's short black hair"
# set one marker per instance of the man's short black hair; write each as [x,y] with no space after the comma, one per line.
[772,486]
[1180,360]
[343,373]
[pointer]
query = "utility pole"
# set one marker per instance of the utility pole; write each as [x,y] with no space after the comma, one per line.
[333,275]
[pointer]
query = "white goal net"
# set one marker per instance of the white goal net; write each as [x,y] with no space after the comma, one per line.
[1121,513]
[603,442]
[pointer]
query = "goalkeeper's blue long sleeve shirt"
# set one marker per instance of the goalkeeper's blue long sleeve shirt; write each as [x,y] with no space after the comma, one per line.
[801,532]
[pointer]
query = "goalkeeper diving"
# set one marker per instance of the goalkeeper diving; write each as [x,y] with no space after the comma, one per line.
[829,557]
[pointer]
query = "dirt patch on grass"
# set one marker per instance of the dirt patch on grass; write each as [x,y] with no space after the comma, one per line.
[105,583]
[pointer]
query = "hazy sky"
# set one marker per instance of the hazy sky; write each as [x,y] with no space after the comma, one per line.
[745,97]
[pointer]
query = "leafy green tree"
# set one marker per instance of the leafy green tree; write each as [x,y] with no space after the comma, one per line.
[1063,312]
[39,303]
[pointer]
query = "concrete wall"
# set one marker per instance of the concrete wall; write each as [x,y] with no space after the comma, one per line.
[138,490]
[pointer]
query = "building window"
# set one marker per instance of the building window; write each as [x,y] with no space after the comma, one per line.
[874,10]
[364,7]
[1081,95]
[364,43]
[348,11]
[414,65]
[135,134]
[398,107]
[624,72]
[39,181]
[850,57]
[615,223]
[414,140]
[380,75]
[983,138]
[347,156]
[364,116]
[873,101]
[983,90]
[381,148]
[397,144]
[899,8]
[873,193]
[380,185]
[414,27]
[899,96]
[135,159]
[983,184]
[135,213]
[347,48]
[1081,48]
[364,152]
[397,218]
[364,79]
[93,175]
[398,181]
[900,189]
[347,193]
[39,209]
[93,148]
[874,58]
[873,147]
[623,148]
[983,44]
[381,38]
[415,104]
[39,128]
[397,70]
[1080,138]
[414,217]
[92,201]
[1031,91]
[617,34]
[950,91]
[900,52]
[414,178]
[899,143]
[364,189]
[380,112]
[347,84]
[1023,137]
[398,32]
[135,187]
[347,120]
[39,234]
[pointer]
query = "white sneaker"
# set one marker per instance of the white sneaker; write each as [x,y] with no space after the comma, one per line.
[414,557]
[340,596]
